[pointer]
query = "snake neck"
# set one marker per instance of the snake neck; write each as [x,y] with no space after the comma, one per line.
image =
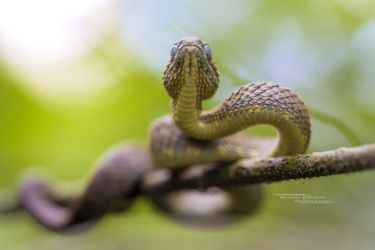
[252,104]
[187,108]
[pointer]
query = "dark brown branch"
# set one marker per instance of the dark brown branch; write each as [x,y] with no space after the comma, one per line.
[339,161]
[157,183]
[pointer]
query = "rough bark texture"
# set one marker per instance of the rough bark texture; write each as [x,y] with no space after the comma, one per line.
[339,161]
[159,183]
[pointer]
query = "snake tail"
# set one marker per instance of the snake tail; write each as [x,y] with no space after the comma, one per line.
[113,188]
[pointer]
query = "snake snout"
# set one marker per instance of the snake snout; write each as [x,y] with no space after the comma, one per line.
[191,48]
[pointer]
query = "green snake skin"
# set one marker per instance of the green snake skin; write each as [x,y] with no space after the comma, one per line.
[192,136]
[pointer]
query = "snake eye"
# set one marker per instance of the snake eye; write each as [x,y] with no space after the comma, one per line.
[173,50]
[207,50]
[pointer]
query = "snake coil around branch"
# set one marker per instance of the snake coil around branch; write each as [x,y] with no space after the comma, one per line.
[200,168]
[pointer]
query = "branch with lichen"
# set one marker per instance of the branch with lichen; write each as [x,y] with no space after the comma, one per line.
[246,172]
[126,174]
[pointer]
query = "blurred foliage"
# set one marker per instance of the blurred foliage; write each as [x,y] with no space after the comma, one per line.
[322,49]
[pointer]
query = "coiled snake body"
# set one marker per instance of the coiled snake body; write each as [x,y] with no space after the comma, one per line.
[188,137]
[191,77]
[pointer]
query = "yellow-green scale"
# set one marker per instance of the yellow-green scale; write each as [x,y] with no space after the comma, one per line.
[293,140]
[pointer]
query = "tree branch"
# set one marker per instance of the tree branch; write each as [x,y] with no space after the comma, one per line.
[339,161]
[120,167]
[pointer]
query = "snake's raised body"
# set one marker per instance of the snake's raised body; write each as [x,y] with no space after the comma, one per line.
[191,136]
[191,77]
[188,138]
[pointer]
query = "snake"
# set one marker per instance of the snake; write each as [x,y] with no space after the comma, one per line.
[185,142]
[193,136]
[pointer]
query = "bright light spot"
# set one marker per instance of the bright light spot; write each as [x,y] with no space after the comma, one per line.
[44,32]
[40,37]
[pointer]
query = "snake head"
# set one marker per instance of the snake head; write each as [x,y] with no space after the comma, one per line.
[191,59]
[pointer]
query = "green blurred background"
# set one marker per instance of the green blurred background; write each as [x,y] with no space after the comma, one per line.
[77,77]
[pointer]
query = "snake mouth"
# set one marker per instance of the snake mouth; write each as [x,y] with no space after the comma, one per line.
[193,59]
[190,61]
